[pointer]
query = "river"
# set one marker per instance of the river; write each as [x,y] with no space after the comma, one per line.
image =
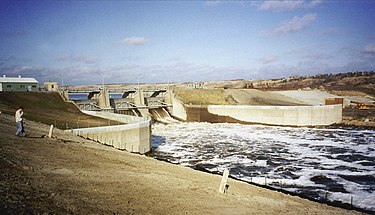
[332,164]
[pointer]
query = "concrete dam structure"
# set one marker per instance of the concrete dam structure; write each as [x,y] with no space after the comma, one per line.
[131,102]
[267,115]
[165,107]
[134,136]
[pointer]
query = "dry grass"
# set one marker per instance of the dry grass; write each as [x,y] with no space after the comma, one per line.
[348,93]
[204,96]
[49,108]
[233,97]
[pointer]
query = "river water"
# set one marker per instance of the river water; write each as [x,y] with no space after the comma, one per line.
[84,96]
[329,164]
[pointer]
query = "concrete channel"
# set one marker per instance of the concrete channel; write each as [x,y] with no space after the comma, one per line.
[134,136]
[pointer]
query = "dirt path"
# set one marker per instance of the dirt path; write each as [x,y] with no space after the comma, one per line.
[68,174]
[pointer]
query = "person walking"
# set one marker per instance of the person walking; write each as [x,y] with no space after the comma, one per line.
[19,120]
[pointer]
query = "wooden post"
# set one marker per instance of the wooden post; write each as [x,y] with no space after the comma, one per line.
[224,181]
[50,131]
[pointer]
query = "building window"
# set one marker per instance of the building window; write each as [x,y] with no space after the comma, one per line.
[34,86]
[9,86]
[22,86]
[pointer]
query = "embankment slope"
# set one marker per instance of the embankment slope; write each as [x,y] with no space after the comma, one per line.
[49,108]
[68,174]
[234,97]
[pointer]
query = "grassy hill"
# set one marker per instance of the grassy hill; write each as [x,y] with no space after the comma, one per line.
[48,108]
[354,82]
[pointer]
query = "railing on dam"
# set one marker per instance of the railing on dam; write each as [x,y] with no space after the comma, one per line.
[134,136]
[115,90]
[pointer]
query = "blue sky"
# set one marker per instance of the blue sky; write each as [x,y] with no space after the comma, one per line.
[85,42]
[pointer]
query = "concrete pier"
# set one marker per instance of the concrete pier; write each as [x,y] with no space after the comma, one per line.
[134,136]
[102,97]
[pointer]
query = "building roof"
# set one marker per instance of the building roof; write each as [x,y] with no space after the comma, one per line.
[18,80]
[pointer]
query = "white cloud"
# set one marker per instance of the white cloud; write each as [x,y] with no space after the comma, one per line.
[280,5]
[78,59]
[299,51]
[269,59]
[309,54]
[313,3]
[370,49]
[330,31]
[133,41]
[287,5]
[294,25]
[212,3]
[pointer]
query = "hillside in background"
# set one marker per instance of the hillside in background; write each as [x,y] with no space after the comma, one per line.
[352,83]
[363,82]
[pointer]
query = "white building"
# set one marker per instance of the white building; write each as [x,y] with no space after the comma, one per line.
[18,84]
[51,86]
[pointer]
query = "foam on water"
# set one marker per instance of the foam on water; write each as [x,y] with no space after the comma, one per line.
[338,164]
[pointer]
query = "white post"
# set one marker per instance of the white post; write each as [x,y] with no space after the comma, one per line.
[224,181]
[50,131]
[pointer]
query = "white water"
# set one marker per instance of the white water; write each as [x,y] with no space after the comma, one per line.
[337,163]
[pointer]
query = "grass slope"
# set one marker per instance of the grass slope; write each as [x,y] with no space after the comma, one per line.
[234,97]
[204,96]
[48,108]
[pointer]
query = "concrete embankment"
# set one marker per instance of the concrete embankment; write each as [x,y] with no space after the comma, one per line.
[281,115]
[134,136]
[269,115]
[127,132]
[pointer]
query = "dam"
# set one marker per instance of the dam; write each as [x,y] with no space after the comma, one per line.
[126,101]
[163,103]
[215,146]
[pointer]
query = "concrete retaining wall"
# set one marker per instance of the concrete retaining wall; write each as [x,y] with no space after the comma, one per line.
[135,136]
[281,115]
[270,115]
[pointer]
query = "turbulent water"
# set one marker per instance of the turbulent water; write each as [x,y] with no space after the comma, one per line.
[332,164]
